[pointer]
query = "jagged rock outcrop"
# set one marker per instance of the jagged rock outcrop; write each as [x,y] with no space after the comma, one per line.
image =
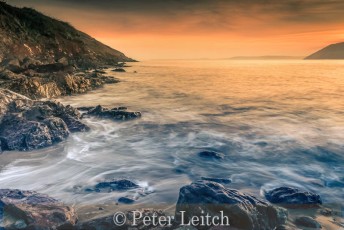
[26,124]
[117,114]
[113,185]
[30,210]
[243,211]
[333,51]
[293,197]
[51,85]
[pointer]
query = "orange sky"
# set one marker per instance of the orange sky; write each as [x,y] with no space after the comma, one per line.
[172,29]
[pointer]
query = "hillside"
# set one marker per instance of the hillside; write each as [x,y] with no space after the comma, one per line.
[334,51]
[24,32]
[41,57]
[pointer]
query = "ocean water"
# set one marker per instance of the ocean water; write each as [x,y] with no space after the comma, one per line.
[276,122]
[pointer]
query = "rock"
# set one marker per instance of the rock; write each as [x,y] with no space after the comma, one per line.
[6,98]
[212,155]
[126,200]
[243,211]
[122,184]
[43,84]
[20,134]
[308,222]
[117,114]
[119,70]
[57,128]
[218,180]
[113,185]
[292,197]
[26,124]
[74,124]
[31,210]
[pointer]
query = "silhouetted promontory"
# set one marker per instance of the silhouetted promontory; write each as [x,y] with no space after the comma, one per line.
[333,51]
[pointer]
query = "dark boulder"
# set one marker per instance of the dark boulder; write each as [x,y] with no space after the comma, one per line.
[125,200]
[211,155]
[99,71]
[31,210]
[292,197]
[26,124]
[118,114]
[119,70]
[243,211]
[20,134]
[308,222]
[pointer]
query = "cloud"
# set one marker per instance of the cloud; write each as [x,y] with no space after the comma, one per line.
[199,15]
[215,27]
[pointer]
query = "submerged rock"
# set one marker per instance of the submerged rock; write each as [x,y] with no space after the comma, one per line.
[118,114]
[113,185]
[26,124]
[119,70]
[211,155]
[31,210]
[308,222]
[243,211]
[126,200]
[292,197]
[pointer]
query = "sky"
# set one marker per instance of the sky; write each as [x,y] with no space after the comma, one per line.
[195,29]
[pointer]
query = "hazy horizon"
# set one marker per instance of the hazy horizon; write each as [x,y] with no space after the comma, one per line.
[203,29]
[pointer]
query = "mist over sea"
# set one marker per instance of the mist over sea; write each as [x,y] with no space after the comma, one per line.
[276,122]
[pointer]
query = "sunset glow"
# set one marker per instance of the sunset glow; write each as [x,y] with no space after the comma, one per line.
[203,29]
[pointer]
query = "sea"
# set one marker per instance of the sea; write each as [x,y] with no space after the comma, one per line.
[277,122]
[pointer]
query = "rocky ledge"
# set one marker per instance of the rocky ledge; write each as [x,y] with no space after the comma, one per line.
[36,80]
[243,211]
[293,197]
[118,113]
[31,210]
[26,124]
